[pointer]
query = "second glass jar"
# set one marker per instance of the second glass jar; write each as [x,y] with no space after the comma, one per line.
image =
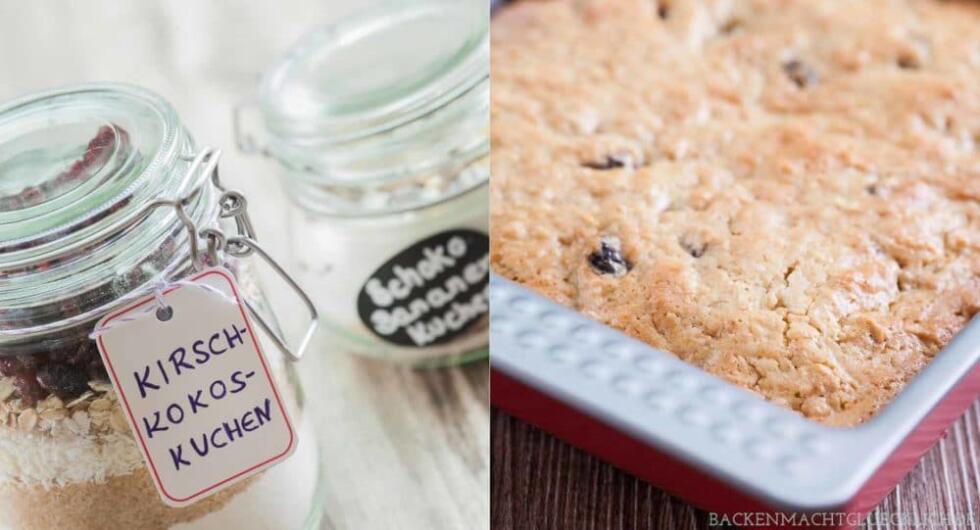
[385,156]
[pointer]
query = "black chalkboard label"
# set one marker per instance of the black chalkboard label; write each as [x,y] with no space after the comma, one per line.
[430,292]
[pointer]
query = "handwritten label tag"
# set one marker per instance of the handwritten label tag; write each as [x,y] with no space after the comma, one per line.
[430,292]
[196,389]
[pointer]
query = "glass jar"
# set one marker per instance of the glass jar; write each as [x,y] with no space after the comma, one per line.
[81,170]
[380,124]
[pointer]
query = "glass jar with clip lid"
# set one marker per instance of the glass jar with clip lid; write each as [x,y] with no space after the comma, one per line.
[380,126]
[104,199]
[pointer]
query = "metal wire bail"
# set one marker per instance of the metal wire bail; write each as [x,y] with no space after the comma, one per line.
[234,205]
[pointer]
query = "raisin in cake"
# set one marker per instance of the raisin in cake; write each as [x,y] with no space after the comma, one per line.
[784,193]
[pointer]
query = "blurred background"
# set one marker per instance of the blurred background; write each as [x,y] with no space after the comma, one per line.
[402,448]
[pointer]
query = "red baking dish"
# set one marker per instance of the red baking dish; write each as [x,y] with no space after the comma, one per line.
[720,447]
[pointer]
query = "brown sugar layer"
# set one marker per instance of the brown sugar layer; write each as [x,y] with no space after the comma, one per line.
[123,502]
[784,193]
[75,465]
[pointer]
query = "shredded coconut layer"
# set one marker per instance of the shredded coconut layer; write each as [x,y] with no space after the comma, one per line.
[35,459]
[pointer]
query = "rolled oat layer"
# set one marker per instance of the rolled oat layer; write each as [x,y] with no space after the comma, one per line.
[75,465]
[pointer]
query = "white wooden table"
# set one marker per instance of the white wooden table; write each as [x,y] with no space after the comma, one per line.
[403,449]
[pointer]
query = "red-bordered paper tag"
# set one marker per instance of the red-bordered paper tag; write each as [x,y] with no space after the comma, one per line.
[196,388]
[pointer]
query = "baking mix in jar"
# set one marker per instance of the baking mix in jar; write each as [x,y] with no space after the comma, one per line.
[380,124]
[104,199]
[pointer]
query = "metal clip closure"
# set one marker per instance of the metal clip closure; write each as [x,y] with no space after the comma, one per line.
[241,245]
[234,205]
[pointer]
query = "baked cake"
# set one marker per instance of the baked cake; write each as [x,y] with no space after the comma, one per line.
[783,193]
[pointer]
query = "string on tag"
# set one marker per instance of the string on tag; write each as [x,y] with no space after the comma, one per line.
[164,312]
[160,309]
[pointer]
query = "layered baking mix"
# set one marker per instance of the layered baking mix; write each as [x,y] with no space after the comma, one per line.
[68,458]
[784,193]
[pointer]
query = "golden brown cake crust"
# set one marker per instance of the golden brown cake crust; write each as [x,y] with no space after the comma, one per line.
[795,185]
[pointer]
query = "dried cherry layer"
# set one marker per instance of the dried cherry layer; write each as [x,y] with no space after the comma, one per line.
[64,372]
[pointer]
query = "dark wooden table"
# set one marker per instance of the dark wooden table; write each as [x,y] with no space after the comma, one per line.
[539,482]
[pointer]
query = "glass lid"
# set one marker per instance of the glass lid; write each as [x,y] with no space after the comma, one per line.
[65,155]
[376,70]
[77,166]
